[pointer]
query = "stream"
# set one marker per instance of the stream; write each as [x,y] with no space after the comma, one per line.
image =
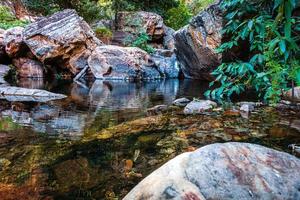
[99,142]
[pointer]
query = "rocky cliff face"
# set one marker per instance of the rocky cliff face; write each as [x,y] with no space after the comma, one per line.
[196,43]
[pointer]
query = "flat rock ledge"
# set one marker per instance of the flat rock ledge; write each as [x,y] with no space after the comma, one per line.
[24,94]
[224,171]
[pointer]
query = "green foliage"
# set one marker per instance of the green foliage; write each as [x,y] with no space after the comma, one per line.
[141,39]
[8,20]
[196,6]
[88,9]
[103,32]
[178,17]
[159,7]
[45,7]
[270,29]
[142,42]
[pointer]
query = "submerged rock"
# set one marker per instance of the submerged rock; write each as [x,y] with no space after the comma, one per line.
[157,109]
[27,68]
[114,62]
[196,43]
[247,108]
[181,102]
[24,94]
[224,171]
[199,106]
[63,39]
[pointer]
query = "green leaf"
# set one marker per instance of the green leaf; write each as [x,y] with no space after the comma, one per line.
[282,46]
[250,24]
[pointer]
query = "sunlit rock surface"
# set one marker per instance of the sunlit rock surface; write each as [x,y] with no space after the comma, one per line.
[196,43]
[114,62]
[224,171]
[64,39]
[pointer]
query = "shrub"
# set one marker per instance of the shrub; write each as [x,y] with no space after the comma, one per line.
[196,6]
[8,20]
[103,32]
[273,36]
[88,9]
[178,17]
[140,38]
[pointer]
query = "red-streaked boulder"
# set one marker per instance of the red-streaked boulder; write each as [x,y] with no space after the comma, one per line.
[224,171]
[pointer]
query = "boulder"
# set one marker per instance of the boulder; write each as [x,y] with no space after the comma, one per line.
[13,42]
[23,94]
[247,108]
[157,110]
[114,62]
[199,106]
[168,66]
[27,68]
[181,102]
[288,95]
[224,171]
[196,43]
[63,39]
[132,22]
[168,40]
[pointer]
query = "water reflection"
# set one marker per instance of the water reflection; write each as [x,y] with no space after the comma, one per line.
[104,103]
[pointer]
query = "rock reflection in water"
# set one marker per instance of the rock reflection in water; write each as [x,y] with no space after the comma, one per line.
[97,106]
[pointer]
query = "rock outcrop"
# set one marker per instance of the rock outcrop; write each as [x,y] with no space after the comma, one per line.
[27,68]
[132,22]
[13,42]
[196,43]
[63,39]
[224,171]
[114,62]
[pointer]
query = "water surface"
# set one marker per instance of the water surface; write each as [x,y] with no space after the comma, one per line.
[46,150]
